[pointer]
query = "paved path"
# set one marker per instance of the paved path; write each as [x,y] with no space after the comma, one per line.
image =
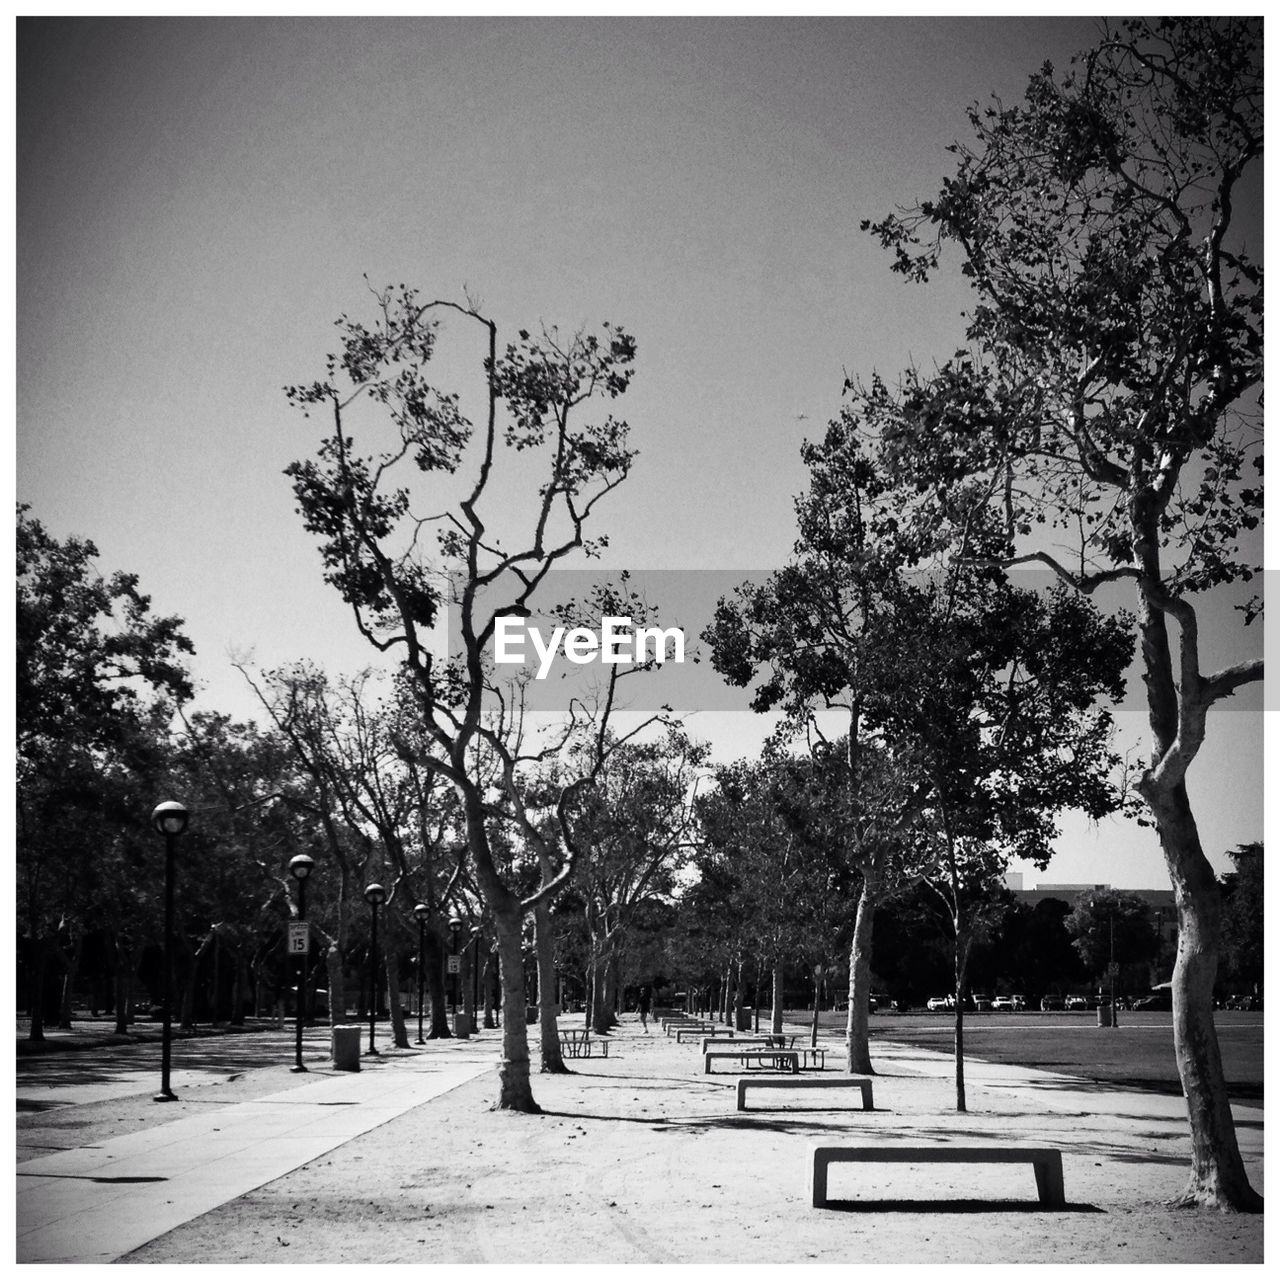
[94,1204]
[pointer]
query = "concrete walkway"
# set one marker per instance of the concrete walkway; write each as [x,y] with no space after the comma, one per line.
[95,1204]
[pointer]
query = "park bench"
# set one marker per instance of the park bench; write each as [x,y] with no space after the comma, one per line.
[815,1057]
[699,1031]
[811,1082]
[700,1028]
[578,1044]
[1047,1162]
[720,1040]
[776,1058]
[681,1020]
[760,1042]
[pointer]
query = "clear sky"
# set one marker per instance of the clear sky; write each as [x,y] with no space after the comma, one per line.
[199,199]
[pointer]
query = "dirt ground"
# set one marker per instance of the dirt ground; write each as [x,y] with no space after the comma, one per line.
[639,1157]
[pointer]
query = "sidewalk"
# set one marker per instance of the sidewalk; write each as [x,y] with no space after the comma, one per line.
[96,1203]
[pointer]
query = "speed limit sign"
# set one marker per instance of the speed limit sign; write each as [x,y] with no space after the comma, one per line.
[299,937]
[455,964]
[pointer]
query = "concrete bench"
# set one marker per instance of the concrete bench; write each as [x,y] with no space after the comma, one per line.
[774,1056]
[755,1042]
[697,1033]
[1047,1162]
[813,1057]
[811,1082]
[698,1028]
[720,1039]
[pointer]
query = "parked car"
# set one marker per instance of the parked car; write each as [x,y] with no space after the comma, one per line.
[1077,1003]
[880,1003]
[940,1004]
[1248,1003]
[1008,1004]
[982,1003]
[1052,1004]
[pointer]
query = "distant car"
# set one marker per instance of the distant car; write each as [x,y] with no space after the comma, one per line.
[1053,1004]
[982,1003]
[1249,1004]
[1008,1004]
[940,1004]
[1160,1001]
[880,1003]
[1077,1002]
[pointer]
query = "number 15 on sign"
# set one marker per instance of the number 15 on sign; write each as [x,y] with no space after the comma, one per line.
[299,937]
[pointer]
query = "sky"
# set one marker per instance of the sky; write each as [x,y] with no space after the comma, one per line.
[199,199]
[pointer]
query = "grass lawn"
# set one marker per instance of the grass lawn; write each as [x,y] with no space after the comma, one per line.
[1139,1052]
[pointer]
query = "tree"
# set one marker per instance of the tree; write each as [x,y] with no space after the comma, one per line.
[96,672]
[1242,924]
[381,812]
[820,636]
[1110,926]
[493,546]
[1110,397]
[635,828]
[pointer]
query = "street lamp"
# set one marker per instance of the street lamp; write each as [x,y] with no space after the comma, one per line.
[170,820]
[455,924]
[422,911]
[300,869]
[375,895]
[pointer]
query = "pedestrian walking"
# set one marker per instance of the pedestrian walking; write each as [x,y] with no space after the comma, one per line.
[646,1003]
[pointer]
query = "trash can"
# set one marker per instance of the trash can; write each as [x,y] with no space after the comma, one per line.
[345,1048]
[744,1020]
[530,1014]
[1105,1017]
[462,1026]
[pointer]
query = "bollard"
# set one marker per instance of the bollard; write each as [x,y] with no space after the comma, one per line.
[345,1048]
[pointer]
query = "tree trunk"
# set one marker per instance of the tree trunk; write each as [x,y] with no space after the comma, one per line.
[36,997]
[72,962]
[515,1092]
[548,1027]
[337,986]
[487,986]
[813,1022]
[391,968]
[237,988]
[123,985]
[779,975]
[961,964]
[857,1031]
[436,995]
[1218,1178]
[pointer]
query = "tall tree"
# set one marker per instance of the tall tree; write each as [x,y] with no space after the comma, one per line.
[434,477]
[1242,923]
[1111,927]
[1110,399]
[96,670]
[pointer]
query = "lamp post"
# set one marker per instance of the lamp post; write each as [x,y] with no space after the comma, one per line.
[455,924]
[422,911]
[375,895]
[300,869]
[170,820]
[475,979]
